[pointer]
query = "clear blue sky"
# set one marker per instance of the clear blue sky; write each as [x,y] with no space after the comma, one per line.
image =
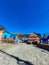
[25,15]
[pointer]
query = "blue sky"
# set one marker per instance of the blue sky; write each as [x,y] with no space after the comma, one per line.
[25,15]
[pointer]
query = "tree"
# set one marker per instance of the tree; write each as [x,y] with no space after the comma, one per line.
[2,28]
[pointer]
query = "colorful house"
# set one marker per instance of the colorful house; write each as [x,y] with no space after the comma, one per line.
[2,29]
[5,34]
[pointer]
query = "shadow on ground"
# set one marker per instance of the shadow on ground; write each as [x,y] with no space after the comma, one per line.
[19,61]
[41,46]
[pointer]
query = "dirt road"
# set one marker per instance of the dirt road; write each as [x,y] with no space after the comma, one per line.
[23,54]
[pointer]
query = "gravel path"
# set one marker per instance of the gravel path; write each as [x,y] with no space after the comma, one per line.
[23,54]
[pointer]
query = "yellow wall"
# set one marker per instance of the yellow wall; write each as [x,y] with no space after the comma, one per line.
[1,32]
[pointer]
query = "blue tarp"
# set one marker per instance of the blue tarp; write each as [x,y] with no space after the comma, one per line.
[44,39]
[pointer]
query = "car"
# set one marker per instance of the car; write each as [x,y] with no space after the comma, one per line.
[24,39]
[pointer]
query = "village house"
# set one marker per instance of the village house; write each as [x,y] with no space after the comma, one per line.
[4,34]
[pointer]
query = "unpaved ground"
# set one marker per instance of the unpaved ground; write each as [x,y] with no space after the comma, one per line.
[24,54]
[5,45]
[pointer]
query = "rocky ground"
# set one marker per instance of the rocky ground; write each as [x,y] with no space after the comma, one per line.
[23,54]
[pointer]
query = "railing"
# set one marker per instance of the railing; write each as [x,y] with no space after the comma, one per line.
[7,40]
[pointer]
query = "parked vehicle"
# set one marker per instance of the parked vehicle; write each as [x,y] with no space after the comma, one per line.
[24,39]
